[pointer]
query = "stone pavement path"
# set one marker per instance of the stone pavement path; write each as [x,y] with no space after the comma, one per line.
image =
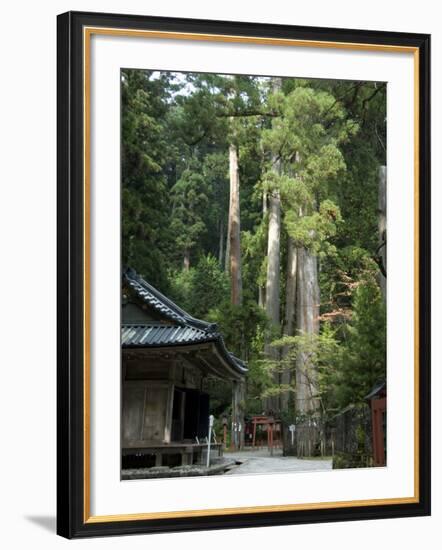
[260,462]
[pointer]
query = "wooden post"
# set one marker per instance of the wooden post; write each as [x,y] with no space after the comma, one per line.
[378,407]
[238,395]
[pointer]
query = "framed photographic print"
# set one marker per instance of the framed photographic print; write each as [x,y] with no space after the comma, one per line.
[234,348]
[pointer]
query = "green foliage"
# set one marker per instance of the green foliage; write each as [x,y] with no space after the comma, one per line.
[320,353]
[202,288]
[144,192]
[258,383]
[220,392]
[243,327]
[364,358]
[254,258]
[244,330]
[310,127]
[215,171]
[348,361]
[189,203]
[317,143]
[315,230]
[306,138]
[347,460]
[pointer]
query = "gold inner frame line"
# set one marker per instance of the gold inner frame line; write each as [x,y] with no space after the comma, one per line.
[87,34]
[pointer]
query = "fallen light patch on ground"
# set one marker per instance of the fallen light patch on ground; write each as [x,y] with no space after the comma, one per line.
[261,462]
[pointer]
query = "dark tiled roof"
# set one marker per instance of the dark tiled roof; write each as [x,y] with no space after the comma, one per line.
[163,305]
[160,335]
[185,329]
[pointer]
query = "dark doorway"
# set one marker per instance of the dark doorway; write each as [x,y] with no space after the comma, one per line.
[178,415]
[203,422]
[196,416]
[191,415]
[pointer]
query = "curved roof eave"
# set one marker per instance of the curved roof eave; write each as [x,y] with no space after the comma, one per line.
[162,303]
[202,331]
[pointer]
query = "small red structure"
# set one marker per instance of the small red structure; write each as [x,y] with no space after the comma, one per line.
[378,405]
[271,426]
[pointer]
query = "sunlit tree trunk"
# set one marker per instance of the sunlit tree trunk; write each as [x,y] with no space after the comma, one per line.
[273,259]
[290,314]
[235,228]
[261,288]
[264,204]
[272,299]
[307,323]
[227,255]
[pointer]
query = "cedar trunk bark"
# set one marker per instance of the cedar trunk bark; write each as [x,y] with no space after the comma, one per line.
[261,289]
[273,259]
[272,300]
[307,323]
[227,255]
[290,314]
[235,229]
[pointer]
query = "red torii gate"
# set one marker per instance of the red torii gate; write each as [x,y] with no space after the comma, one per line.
[268,421]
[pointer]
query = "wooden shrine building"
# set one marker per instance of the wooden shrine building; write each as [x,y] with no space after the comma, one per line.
[166,356]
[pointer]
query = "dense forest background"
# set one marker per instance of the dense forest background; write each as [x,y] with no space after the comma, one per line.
[254,202]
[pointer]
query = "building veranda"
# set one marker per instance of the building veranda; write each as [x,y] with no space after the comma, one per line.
[167,357]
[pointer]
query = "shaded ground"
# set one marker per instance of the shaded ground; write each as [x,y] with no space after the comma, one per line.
[218,466]
[260,462]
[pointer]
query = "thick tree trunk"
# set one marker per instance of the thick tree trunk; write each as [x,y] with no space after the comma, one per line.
[227,255]
[262,297]
[290,309]
[261,289]
[273,259]
[272,300]
[290,314]
[382,225]
[307,323]
[235,228]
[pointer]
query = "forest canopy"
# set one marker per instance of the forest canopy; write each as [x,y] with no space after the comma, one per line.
[253,202]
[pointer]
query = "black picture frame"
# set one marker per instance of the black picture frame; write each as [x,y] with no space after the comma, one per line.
[72,520]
